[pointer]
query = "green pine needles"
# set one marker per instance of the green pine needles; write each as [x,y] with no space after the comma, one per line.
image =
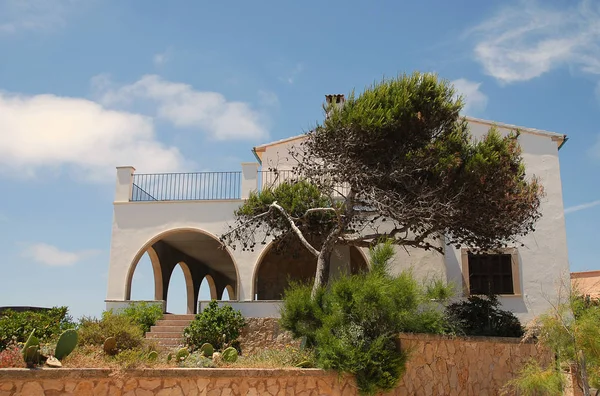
[354,324]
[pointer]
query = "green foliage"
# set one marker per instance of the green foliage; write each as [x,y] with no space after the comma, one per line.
[533,380]
[215,325]
[152,356]
[143,314]
[182,353]
[354,324]
[482,316]
[66,344]
[127,334]
[207,349]
[47,324]
[31,350]
[570,330]
[196,360]
[230,355]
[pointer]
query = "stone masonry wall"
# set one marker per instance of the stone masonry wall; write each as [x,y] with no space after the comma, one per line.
[438,365]
[264,333]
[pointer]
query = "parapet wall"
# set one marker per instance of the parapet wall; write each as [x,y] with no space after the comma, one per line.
[438,365]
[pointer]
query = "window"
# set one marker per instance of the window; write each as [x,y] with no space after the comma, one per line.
[495,273]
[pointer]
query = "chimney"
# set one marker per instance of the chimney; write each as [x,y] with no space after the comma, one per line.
[337,99]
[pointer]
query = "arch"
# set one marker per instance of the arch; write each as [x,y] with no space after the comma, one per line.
[211,286]
[230,292]
[157,268]
[302,269]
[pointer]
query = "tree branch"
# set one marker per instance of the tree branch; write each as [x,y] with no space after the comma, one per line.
[295,228]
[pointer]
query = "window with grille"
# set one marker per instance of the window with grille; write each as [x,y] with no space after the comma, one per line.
[490,274]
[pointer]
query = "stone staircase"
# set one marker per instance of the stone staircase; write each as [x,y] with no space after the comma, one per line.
[168,331]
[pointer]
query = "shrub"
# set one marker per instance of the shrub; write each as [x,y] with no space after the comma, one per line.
[143,314]
[11,357]
[354,325]
[48,324]
[219,326]
[129,335]
[482,316]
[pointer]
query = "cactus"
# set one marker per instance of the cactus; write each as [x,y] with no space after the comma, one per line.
[31,350]
[152,356]
[66,344]
[169,357]
[230,355]
[207,349]
[182,354]
[110,346]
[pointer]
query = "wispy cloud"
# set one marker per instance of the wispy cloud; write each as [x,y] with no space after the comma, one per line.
[584,206]
[475,100]
[47,132]
[184,106]
[528,39]
[18,15]
[161,58]
[268,98]
[50,255]
[293,74]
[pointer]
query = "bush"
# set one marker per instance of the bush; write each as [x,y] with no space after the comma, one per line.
[354,325]
[143,314]
[482,316]
[48,324]
[219,326]
[129,335]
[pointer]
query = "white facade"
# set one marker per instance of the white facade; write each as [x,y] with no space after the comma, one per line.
[178,219]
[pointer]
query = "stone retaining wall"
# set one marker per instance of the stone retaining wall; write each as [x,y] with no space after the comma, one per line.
[438,366]
[264,333]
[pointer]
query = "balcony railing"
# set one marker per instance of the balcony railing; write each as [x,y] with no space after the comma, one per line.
[186,186]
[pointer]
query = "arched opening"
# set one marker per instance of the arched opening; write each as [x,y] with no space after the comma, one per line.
[276,269]
[228,294]
[178,290]
[202,257]
[142,284]
[208,289]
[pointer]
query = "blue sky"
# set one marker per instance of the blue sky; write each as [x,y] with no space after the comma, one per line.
[86,85]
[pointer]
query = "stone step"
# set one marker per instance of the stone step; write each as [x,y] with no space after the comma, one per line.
[179,317]
[173,334]
[164,322]
[167,329]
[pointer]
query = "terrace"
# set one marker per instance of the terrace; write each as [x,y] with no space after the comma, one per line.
[195,186]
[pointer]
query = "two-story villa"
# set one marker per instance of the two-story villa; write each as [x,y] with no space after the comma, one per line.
[177,218]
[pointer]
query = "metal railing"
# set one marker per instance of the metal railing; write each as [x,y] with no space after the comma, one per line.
[186,186]
[272,178]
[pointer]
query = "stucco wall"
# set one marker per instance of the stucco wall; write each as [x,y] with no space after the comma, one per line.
[439,366]
[543,260]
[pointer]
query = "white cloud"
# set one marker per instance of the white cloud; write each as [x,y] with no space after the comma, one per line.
[18,15]
[475,100]
[584,206]
[528,39]
[50,255]
[184,106]
[160,59]
[47,132]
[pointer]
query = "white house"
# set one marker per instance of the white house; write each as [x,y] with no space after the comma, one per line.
[177,219]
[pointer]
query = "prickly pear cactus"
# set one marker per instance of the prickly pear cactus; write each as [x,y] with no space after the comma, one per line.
[152,356]
[110,346]
[169,357]
[182,354]
[207,349]
[230,355]
[66,344]
[31,350]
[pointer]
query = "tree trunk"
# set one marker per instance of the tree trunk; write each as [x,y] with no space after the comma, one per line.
[323,262]
[583,374]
